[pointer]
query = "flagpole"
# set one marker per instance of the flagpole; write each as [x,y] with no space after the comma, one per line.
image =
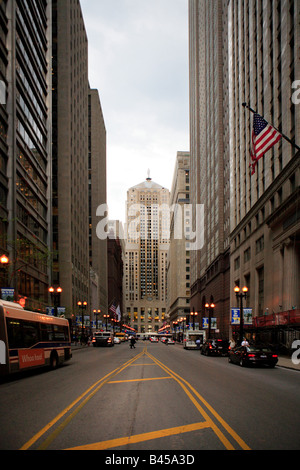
[245,105]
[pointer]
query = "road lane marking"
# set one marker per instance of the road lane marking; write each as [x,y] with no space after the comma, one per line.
[138,380]
[221,436]
[192,394]
[148,436]
[217,431]
[141,364]
[48,426]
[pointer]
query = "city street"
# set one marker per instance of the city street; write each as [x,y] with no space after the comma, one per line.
[153,397]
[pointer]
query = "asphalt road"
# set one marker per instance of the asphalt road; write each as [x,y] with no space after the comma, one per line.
[154,397]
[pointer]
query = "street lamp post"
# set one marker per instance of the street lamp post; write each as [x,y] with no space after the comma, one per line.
[82,305]
[175,323]
[96,312]
[194,314]
[240,296]
[55,297]
[182,322]
[106,316]
[210,308]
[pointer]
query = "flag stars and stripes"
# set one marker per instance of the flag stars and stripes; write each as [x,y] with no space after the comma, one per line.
[264,136]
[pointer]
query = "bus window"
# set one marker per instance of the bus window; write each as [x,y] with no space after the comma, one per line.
[14,332]
[46,332]
[60,333]
[31,334]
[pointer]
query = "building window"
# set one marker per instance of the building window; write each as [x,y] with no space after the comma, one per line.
[247,255]
[237,263]
[260,244]
[260,275]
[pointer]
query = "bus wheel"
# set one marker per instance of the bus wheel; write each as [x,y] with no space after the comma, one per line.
[54,360]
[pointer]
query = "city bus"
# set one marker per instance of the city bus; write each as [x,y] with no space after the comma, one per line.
[30,340]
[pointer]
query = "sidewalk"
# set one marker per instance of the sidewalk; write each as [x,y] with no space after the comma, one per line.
[285,361]
[75,346]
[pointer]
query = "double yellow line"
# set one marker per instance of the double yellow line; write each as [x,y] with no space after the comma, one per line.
[192,393]
[88,394]
[199,402]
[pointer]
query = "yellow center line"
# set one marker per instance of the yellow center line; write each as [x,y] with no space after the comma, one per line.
[221,436]
[148,436]
[119,442]
[104,379]
[141,364]
[138,380]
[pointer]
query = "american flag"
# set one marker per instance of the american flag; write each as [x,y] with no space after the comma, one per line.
[113,308]
[264,137]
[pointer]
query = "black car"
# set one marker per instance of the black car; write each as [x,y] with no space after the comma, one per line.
[103,338]
[215,347]
[253,355]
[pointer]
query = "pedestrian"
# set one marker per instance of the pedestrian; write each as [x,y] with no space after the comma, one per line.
[245,342]
[132,342]
[232,343]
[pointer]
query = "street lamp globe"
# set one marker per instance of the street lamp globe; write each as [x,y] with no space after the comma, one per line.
[4,259]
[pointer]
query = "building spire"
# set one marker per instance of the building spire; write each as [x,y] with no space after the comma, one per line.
[148,173]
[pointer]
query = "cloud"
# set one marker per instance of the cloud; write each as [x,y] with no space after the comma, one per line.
[138,60]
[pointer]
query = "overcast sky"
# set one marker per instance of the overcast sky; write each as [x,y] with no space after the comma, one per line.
[138,61]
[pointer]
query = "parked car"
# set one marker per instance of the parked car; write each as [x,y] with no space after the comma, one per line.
[253,355]
[215,347]
[103,338]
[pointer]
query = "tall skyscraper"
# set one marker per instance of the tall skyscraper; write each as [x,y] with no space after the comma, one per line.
[210,157]
[70,154]
[145,266]
[97,197]
[179,254]
[115,256]
[263,46]
[25,158]
[245,52]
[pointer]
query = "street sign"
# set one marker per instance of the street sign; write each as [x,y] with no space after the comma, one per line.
[213,323]
[247,316]
[61,311]
[7,294]
[50,311]
[235,316]
[247,312]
